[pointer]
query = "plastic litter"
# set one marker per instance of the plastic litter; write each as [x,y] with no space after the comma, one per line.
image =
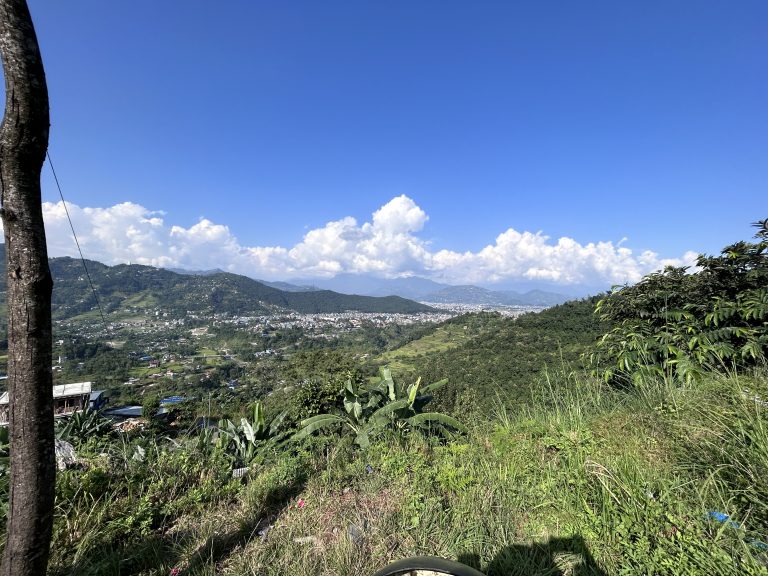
[723,518]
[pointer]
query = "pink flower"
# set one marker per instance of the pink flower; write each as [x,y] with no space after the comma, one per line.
[300,503]
[175,572]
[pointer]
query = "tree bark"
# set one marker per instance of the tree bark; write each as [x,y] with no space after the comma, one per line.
[23,144]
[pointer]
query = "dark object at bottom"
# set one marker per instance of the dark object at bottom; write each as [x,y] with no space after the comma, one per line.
[433,563]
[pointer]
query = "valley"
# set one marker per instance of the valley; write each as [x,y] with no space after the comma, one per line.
[595,436]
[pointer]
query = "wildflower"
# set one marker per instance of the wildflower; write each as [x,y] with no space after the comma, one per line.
[300,504]
[175,572]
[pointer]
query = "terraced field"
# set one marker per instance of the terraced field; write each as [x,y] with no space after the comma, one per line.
[444,338]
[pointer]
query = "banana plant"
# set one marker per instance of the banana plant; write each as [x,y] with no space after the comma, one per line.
[248,439]
[381,406]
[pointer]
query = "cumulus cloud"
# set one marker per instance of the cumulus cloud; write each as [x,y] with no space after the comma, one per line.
[389,245]
[532,256]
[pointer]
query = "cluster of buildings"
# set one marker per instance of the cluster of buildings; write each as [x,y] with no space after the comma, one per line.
[346,321]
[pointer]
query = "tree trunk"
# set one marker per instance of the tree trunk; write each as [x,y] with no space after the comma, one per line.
[23,144]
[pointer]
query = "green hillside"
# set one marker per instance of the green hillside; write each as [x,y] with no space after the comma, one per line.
[124,290]
[488,355]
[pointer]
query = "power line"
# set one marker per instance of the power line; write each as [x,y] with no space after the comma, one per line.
[82,258]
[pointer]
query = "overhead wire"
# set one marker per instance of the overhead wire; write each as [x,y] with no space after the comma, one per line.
[77,242]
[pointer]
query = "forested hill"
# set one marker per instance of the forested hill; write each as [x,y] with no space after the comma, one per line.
[503,358]
[133,288]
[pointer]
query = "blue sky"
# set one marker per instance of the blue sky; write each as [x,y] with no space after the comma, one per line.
[196,133]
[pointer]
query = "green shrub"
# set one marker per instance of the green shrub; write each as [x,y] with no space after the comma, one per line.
[381,406]
[677,325]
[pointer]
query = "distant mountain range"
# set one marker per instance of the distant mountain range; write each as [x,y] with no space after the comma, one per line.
[195,272]
[133,286]
[424,290]
[289,287]
[127,288]
[477,295]
[413,288]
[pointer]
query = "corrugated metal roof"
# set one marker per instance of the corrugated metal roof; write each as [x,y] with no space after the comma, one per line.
[62,391]
[74,389]
[130,412]
[125,412]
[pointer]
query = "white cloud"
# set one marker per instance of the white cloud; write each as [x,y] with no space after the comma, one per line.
[399,216]
[125,232]
[533,257]
[388,245]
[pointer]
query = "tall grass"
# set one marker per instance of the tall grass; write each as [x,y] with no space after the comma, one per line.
[660,479]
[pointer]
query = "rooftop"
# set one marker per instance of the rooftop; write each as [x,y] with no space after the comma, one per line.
[62,391]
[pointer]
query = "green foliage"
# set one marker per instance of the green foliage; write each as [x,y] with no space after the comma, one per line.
[678,325]
[321,374]
[108,513]
[82,425]
[4,442]
[381,406]
[509,357]
[732,446]
[592,480]
[249,439]
[149,406]
[274,485]
[314,397]
[94,358]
